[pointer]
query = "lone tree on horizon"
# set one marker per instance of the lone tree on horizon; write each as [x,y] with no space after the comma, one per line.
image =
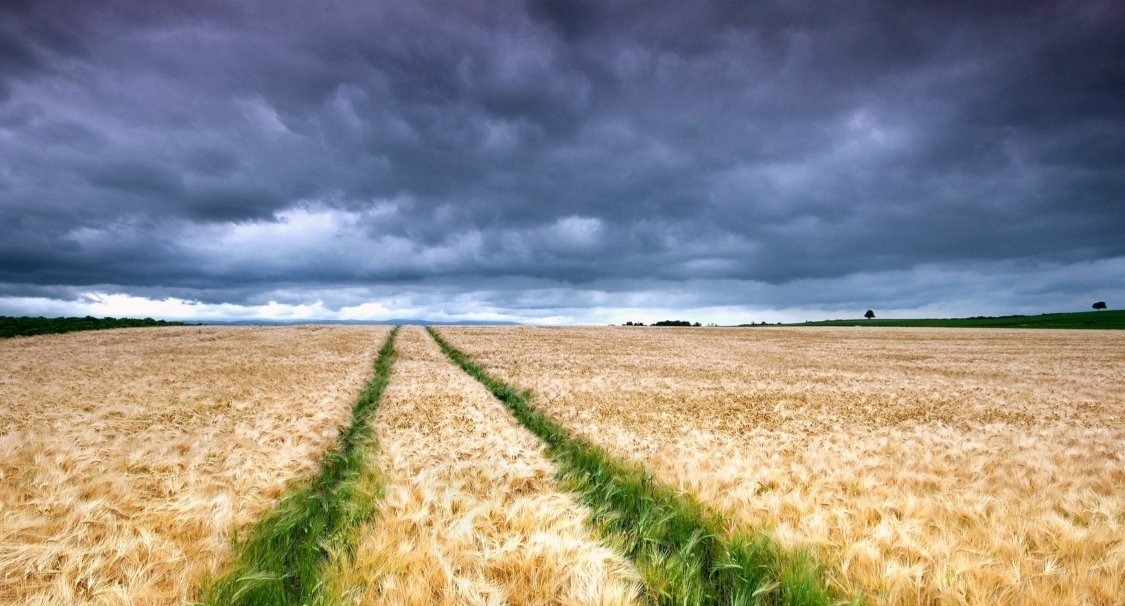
[869,315]
[1100,305]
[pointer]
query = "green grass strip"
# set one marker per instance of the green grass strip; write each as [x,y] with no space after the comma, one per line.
[684,551]
[279,562]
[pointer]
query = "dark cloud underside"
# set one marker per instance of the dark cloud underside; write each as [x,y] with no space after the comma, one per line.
[232,151]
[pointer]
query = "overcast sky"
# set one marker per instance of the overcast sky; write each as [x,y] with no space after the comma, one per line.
[559,161]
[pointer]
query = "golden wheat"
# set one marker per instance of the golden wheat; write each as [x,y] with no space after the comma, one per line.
[128,457]
[925,466]
[472,514]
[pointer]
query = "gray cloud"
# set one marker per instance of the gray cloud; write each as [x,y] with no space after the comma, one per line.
[234,152]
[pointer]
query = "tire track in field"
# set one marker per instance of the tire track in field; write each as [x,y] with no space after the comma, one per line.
[129,457]
[686,553]
[281,561]
[472,512]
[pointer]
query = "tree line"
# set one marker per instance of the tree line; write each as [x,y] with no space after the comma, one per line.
[666,323]
[26,326]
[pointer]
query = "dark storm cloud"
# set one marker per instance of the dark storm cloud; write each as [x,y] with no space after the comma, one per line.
[227,152]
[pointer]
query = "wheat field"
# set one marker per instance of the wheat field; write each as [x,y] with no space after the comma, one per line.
[129,457]
[923,466]
[472,514]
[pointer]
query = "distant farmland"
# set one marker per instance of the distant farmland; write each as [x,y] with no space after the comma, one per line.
[1086,320]
[348,465]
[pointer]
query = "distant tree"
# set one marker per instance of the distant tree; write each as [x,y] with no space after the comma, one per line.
[1100,305]
[628,324]
[697,324]
[869,315]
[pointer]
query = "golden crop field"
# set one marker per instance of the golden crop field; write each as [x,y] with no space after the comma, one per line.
[128,457]
[924,466]
[472,514]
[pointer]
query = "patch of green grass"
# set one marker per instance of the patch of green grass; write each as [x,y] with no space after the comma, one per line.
[279,562]
[27,326]
[687,554]
[1109,319]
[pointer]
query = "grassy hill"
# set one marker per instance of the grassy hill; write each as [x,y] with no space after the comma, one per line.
[1109,319]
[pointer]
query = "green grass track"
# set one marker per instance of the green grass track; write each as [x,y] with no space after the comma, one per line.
[280,560]
[686,553]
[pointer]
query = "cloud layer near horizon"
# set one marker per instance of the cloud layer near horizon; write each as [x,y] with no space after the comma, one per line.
[560,161]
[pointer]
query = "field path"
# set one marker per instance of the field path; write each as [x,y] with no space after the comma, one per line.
[922,466]
[685,553]
[281,558]
[472,513]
